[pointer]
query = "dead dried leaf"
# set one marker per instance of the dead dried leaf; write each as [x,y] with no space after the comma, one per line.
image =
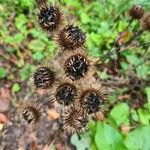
[4,93]
[52,114]
[3,118]
[99,116]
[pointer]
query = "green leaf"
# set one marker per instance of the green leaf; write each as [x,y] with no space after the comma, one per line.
[81,144]
[85,18]
[144,116]
[15,88]
[108,138]
[2,72]
[133,59]
[143,71]
[26,3]
[37,56]
[20,21]
[26,72]
[103,75]
[134,115]
[124,65]
[16,39]
[36,45]
[139,139]
[147,90]
[120,113]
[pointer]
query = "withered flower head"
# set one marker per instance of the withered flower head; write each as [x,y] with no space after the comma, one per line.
[30,113]
[43,77]
[74,120]
[65,93]
[49,17]
[77,66]
[71,38]
[92,99]
[145,22]
[136,12]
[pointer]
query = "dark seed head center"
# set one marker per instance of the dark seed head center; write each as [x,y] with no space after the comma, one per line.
[76,67]
[76,34]
[92,101]
[66,93]
[47,15]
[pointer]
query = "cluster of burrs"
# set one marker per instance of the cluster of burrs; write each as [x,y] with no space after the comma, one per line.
[68,77]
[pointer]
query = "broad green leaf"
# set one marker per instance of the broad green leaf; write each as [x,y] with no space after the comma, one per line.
[15,88]
[81,144]
[36,45]
[133,59]
[120,113]
[138,139]
[2,72]
[108,138]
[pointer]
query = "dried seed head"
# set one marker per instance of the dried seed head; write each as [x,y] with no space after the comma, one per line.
[92,99]
[49,17]
[145,22]
[74,120]
[43,78]
[136,12]
[66,93]
[71,38]
[77,66]
[30,113]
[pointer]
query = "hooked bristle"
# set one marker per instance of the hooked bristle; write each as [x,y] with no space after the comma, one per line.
[41,3]
[30,113]
[43,77]
[74,120]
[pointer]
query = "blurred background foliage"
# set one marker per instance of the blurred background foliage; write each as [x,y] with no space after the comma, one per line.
[23,46]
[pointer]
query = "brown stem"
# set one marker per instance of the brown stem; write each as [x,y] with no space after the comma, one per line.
[126,44]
